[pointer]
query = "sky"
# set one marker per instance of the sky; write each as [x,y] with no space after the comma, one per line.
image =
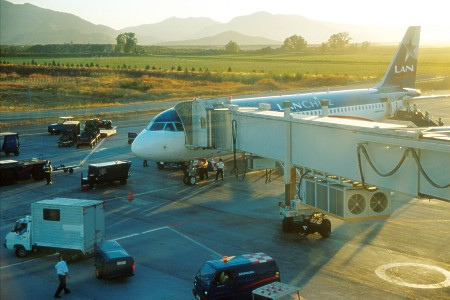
[119,14]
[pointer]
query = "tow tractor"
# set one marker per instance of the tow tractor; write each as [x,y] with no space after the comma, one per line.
[303,220]
[65,168]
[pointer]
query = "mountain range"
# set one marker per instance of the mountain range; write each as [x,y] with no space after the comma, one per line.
[27,24]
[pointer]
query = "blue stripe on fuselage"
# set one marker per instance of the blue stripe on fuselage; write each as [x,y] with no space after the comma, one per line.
[311,101]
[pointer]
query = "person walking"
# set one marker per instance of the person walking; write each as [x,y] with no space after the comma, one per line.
[145,164]
[220,166]
[63,272]
[48,172]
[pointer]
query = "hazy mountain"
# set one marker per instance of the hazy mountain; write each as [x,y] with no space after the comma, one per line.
[172,29]
[223,39]
[30,24]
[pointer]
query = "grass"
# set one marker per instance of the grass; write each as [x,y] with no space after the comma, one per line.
[227,75]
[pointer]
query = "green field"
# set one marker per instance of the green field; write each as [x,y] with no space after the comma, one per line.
[113,80]
[370,63]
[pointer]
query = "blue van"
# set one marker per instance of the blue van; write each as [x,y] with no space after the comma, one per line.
[235,277]
[111,261]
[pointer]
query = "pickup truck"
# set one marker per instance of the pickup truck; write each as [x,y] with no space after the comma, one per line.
[55,128]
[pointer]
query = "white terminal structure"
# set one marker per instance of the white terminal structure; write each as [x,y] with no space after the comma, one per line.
[347,167]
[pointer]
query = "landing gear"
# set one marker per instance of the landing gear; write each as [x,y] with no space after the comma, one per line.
[190,173]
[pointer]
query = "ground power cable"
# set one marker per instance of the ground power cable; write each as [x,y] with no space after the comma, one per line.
[235,169]
[362,148]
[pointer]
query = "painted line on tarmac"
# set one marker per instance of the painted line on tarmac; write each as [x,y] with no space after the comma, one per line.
[92,152]
[27,261]
[126,237]
[139,233]
[381,272]
[195,242]
[173,230]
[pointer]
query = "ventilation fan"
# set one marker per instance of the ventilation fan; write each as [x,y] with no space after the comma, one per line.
[379,202]
[356,204]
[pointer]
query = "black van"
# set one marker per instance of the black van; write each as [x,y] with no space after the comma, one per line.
[105,172]
[235,277]
[111,260]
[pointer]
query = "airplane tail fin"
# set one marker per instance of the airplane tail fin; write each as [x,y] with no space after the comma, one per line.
[402,70]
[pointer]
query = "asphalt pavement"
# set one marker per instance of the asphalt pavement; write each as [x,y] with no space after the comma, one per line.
[171,229]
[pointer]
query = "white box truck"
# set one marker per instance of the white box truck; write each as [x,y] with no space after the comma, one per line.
[68,226]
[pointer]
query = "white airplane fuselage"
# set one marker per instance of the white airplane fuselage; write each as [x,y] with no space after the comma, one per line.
[164,138]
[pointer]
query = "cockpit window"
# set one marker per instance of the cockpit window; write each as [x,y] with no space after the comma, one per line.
[179,126]
[162,121]
[169,127]
[157,126]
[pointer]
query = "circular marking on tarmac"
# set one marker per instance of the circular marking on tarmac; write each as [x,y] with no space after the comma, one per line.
[381,272]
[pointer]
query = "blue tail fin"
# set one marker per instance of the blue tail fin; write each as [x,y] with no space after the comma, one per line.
[402,70]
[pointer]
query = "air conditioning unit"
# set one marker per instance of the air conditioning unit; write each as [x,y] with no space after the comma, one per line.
[346,202]
[360,203]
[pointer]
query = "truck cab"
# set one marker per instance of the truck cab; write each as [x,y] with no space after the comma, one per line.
[19,238]
[235,277]
[56,128]
[11,143]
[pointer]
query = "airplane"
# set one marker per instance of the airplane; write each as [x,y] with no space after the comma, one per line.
[163,140]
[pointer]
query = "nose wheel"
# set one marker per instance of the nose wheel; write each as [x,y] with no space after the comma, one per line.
[190,180]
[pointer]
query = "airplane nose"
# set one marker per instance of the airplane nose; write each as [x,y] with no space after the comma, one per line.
[138,146]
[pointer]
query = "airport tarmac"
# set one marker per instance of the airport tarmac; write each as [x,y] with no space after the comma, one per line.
[171,229]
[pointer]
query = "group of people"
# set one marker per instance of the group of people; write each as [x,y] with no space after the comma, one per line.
[203,165]
[426,116]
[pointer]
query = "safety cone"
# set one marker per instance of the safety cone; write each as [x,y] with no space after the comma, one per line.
[130,196]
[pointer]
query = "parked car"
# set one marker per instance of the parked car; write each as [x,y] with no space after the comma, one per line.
[111,261]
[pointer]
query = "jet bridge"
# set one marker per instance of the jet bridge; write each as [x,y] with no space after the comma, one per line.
[342,160]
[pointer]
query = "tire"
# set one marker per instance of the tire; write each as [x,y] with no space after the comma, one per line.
[20,251]
[325,228]
[160,166]
[191,180]
[71,171]
[287,224]
[185,180]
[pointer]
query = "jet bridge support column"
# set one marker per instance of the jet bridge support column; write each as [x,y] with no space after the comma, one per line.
[289,171]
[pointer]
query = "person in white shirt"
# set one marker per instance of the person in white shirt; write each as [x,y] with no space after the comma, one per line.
[62,271]
[220,166]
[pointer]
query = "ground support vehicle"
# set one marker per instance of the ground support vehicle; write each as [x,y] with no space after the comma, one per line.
[88,139]
[11,143]
[111,261]
[65,168]
[106,172]
[131,137]
[235,277]
[90,135]
[55,128]
[103,123]
[299,218]
[418,118]
[68,226]
[13,170]
[275,291]
[105,133]
[69,132]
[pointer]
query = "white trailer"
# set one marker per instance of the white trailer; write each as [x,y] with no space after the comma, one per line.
[69,226]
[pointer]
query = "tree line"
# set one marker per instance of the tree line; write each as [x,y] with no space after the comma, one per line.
[127,44]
